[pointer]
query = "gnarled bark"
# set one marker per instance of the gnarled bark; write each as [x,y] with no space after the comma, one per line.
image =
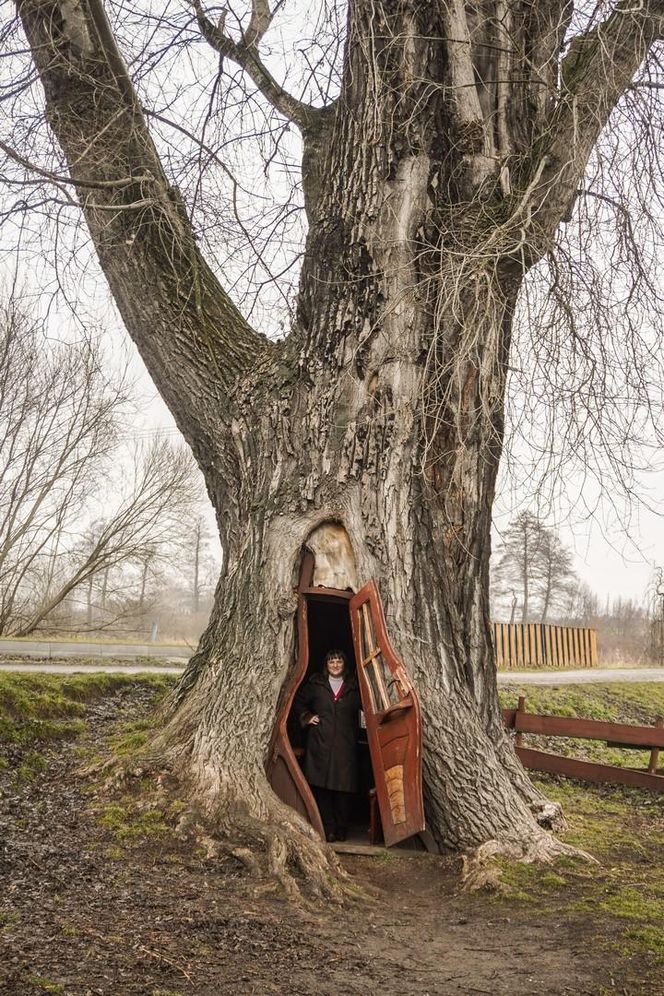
[432,184]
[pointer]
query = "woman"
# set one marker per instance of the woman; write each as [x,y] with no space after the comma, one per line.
[328,707]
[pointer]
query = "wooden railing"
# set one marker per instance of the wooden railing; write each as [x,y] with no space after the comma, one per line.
[540,645]
[613,734]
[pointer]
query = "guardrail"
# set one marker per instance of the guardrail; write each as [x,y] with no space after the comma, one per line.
[541,645]
[614,734]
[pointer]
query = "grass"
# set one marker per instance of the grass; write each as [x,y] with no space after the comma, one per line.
[127,823]
[619,702]
[38,708]
[622,827]
[46,985]
[623,895]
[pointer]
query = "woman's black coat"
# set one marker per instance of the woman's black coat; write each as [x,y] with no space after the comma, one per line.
[330,759]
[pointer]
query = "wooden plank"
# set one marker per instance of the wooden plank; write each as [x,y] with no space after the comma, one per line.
[538,760]
[508,718]
[498,641]
[593,648]
[375,850]
[654,753]
[540,647]
[590,729]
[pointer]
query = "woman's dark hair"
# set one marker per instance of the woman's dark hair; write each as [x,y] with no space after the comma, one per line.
[336,653]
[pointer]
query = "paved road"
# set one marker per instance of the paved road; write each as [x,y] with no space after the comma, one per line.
[47,668]
[90,648]
[586,676]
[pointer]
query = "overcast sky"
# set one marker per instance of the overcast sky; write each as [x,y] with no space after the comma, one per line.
[615,545]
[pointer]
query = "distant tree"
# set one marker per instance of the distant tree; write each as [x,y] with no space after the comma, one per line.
[585,605]
[519,550]
[534,562]
[555,577]
[201,563]
[61,467]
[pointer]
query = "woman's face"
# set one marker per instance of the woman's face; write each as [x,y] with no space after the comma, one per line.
[335,667]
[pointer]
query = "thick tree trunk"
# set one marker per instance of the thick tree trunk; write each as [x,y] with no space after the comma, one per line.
[392,427]
[431,184]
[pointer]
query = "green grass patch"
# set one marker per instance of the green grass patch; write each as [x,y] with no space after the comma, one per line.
[46,985]
[619,702]
[127,823]
[44,707]
[32,764]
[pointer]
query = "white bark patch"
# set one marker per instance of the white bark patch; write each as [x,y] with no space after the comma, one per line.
[335,561]
[76,28]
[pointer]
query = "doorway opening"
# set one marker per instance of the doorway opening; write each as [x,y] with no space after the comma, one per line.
[389,741]
[328,627]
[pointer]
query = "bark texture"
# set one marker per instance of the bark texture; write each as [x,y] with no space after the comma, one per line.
[432,184]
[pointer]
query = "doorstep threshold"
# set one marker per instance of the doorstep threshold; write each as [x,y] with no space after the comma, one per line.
[374,850]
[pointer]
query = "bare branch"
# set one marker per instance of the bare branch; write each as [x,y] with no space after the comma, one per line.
[173,305]
[245,55]
[595,72]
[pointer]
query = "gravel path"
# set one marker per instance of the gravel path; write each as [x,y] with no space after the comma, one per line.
[46,667]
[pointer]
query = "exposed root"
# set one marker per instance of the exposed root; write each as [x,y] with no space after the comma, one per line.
[480,871]
[549,815]
[278,850]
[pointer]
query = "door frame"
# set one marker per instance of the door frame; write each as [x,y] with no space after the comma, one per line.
[281,749]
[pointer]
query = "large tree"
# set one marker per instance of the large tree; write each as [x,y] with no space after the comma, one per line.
[434,180]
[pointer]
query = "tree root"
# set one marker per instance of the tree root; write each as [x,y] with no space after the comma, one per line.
[481,872]
[277,849]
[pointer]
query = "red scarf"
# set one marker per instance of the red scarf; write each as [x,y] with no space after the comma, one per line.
[337,695]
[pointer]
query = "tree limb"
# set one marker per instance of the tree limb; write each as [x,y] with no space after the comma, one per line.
[596,71]
[193,339]
[246,56]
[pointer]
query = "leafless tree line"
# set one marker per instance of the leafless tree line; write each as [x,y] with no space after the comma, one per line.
[533,580]
[83,518]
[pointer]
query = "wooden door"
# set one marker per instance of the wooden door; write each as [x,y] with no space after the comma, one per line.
[392,713]
[283,768]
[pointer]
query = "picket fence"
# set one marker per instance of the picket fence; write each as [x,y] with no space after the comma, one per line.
[533,645]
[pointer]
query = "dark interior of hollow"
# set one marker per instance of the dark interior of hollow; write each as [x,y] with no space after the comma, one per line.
[329,628]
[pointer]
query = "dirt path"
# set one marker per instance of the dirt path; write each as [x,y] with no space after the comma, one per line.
[91,904]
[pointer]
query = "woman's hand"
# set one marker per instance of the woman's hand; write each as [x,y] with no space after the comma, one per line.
[314,721]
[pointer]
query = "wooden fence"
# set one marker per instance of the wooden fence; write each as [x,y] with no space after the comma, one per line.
[613,734]
[540,645]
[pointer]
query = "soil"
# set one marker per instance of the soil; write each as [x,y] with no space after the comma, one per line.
[85,910]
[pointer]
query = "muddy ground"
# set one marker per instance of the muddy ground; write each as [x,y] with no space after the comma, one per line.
[99,897]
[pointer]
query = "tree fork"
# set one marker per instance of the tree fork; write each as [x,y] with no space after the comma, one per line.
[432,185]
